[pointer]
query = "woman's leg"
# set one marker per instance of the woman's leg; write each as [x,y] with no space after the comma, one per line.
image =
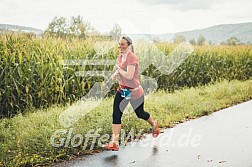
[138,106]
[116,128]
[150,121]
[118,108]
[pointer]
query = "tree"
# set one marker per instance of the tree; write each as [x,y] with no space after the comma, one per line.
[179,38]
[58,27]
[116,32]
[78,27]
[192,41]
[201,40]
[233,41]
[223,43]
[156,40]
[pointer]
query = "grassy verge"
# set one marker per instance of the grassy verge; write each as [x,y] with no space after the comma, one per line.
[25,140]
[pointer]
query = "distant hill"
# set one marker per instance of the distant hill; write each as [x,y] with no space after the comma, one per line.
[6,27]
[215,34]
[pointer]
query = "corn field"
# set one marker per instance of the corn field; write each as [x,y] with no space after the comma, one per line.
[32,75]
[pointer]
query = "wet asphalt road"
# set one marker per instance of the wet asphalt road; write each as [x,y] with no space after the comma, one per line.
[223,139]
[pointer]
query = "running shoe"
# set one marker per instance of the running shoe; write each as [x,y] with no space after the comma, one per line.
[111,146]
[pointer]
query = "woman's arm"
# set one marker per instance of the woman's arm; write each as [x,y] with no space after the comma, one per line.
[115,74]
[127,74]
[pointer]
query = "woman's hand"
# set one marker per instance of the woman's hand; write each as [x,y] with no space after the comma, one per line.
[114,75]
[118,67]
[127,74]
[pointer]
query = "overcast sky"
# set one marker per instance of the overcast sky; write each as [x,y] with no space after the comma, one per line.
[134,16]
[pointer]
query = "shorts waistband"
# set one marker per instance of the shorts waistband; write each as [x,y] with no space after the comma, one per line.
[134,89]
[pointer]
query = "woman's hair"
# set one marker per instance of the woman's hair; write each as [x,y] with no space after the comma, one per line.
[131,48]
[129,41]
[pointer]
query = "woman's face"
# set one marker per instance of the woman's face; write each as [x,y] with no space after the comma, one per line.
[122,45]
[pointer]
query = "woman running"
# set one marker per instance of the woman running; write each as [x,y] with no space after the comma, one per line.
[129,90]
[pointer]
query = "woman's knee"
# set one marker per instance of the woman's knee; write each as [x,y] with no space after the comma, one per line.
[143,115]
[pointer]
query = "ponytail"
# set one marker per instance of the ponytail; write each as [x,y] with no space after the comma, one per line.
[132,48]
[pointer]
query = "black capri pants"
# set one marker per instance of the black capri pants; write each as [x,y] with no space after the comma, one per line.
[120,104]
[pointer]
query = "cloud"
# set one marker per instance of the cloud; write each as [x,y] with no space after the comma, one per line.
[7,8]
[155,16]
[157,2]
[183,5]
[187,5]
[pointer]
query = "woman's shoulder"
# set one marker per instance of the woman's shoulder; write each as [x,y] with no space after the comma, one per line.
[132,58]
[132,55]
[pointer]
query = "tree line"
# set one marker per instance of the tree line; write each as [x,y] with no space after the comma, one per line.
[201,40]
[76,27]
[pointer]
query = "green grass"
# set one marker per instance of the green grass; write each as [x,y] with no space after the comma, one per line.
[25,139]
